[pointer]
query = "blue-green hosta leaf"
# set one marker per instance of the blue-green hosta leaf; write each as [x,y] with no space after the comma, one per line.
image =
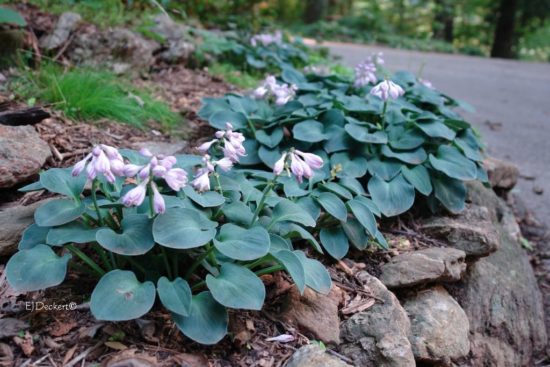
[293,266]
[241,243]
[334,241]
[381,241]
[468,143]
[363,215]
[175,295]
[292,76]
[251,158]
[310,131]
[482,174]
[206,199]
[416,156]
[35,186]
[32,236]
[292,230]
[393,197]
[385,169]
[287,210]
[333,205]
[317,276]
[352,184]
[219,119]
[207,320]
[212,105]
[338,139]
[272,139]
[310,206]
[362,134]
[269,156]
[183,228]
[278,243]
[238,212]
[36,268]
[74,232]
[351,167]
[419,177]
[135,239]
[454,164]
[237,287]
[436,129]
[409,139]
[10,16]
[61,181]
[337,189]
[332,117]
[450,192]
[291,187]
[58,212]
[369,204]
[120,296]
[356,233]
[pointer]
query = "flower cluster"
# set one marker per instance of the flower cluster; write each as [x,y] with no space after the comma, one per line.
[281,92]
[301,164]
[103,160]
[231,144]
[107,161]
[386,90]
[365,72]
[266,39]
[426,83]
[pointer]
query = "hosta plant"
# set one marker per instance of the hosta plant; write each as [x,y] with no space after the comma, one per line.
[387,141]
[148,230]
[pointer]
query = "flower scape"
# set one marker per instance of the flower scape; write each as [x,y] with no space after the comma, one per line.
[305,160]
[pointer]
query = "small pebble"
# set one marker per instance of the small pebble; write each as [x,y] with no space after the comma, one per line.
[538,190]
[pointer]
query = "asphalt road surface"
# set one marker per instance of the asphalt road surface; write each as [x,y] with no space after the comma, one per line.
[512,102]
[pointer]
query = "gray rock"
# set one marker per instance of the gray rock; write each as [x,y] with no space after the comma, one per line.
[22,154]
[162,147]
[66,24]
[502,174]
[439,327]
[500,296]
[471,231]
[379,335]
[314,313]
[313,356]
[117,48]
[11,327]
[177,47]
[14,221]
[424,266]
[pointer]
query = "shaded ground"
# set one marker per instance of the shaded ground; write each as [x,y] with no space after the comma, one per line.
[512,102]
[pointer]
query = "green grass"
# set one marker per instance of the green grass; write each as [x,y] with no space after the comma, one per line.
[87,94]
[231,74]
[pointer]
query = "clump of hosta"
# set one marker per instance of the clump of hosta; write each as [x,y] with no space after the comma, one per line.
[191,229]
[386,140]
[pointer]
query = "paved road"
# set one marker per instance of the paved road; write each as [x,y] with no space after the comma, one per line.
[512,102]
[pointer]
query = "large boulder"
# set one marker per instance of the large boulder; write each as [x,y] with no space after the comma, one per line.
[500,295]
[177,46]
[502,174]
[314,313]
[379,335]
[439,327]
[22,154]
[66,24]
[437,264]
[313,356]
[471,231]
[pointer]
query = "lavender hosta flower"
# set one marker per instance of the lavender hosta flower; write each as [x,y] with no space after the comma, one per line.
[202,180]
[80,165]
[103,160]
[130,170]
[159,206]
[387,90]
[280,165]
[365,73]
[225,164]
[282,93]
[426,83]
[176,178]
[312,160]
[135,196]
[203,148]
[260,92]
[301,164]
[266,39]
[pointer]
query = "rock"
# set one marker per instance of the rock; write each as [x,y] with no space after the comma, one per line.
[162,147]
[22,154]
[14,221]
[439,327]
[66,24]
[313,356]
[117,48]
[314,313]
[379,335]
[500,296]
[471,231]
[502,174]
[11,327]
[424,266]
[177,47]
